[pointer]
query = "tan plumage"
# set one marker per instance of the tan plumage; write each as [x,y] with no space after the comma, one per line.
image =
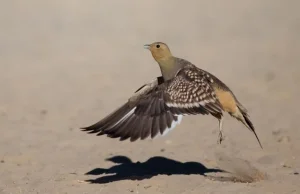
[156,107]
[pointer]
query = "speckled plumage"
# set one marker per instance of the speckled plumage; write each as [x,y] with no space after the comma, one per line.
[156,107]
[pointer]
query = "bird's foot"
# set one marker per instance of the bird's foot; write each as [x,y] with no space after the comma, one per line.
[220,139]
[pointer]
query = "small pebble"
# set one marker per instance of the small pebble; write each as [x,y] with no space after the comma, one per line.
[276,132]
[284,139]
[284,165]
[82,181]
[168,142]
[147,186]
[269,76]
[43,112]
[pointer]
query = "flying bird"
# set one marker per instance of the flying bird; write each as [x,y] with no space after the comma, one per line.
[158,106]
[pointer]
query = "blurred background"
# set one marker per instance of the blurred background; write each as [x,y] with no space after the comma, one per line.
[66,64]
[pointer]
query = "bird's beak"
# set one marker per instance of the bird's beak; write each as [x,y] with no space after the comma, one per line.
[147,46]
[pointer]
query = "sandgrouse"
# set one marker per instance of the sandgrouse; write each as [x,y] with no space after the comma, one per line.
[157,107]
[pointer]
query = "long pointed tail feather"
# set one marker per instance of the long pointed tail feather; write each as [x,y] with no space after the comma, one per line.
[246,121]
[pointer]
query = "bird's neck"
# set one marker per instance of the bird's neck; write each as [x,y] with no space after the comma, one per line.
[169,67]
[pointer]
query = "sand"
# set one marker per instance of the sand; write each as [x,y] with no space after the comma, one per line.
[67,64]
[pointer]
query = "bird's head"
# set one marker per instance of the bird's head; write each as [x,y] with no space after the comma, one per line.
[159,50]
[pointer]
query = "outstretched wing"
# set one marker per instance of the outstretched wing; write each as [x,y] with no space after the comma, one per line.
[190,92]
[145,114]
[156,107]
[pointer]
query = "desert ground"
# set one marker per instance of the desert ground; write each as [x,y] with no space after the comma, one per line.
[67,64]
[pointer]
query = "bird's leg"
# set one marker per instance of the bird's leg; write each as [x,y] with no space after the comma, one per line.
[220,139]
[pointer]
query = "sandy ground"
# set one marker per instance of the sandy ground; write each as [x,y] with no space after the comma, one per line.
[66,64]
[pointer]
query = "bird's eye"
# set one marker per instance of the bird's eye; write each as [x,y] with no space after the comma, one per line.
[157,46]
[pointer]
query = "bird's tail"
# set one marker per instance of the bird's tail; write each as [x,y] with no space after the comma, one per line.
[244,118]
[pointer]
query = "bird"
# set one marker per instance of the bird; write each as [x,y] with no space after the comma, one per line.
[158,106]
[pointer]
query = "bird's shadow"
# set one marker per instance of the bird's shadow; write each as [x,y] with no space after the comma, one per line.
[125,169]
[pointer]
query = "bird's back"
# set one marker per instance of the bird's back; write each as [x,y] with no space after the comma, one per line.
[226,97]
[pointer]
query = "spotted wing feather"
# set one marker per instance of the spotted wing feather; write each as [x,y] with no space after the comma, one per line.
[190,92]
